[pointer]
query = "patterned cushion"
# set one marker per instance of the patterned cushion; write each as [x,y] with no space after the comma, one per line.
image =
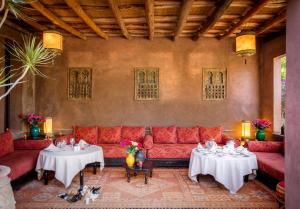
[265,146]
[211,133]
[271,163]
[164,135]
[188,135]
[6,143]
[89,134]
[109,135]
[171,151]
[133,133]
[148,142]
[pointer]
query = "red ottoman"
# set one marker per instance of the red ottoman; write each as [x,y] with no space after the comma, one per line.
[280,193]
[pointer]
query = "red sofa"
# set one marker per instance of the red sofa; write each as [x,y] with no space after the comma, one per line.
[20,155]
[108,138]
[270,157]
[177,142]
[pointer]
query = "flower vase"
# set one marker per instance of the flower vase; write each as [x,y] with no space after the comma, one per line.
[130,160]
[34,131]
[260,134]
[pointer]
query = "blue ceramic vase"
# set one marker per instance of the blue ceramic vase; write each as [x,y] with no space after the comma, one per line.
[34,131]
[260,134]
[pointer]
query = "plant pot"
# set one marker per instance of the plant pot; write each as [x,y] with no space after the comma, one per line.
[34,131]
[130,160]
[260,134]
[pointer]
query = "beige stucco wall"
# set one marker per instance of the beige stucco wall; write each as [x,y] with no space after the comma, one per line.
[180,102]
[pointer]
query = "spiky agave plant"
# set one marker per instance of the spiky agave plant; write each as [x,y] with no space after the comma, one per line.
[32,56]
[14,6]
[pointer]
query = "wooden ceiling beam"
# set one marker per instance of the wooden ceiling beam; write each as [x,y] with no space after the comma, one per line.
[32,22]
[82,14]
[275,21]
[54,19]
[185,10]
[115,9]
[149,4]
[258,6]
[218,12]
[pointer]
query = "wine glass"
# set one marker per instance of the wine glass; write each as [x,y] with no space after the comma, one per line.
[72,141]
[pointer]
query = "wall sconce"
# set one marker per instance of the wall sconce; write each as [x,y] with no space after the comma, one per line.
[48,127]
[246,129]
[53,40]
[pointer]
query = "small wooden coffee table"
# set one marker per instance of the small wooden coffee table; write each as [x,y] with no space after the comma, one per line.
[146,169]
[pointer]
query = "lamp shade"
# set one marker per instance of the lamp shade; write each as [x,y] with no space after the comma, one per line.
[53,40]
[246,129]
[245,43]
[48,126]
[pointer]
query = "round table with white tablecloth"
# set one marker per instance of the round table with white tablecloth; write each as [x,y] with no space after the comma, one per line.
[227,169]
[68,163]
[7,200]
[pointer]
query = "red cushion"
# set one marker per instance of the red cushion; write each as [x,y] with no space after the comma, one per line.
[133,133]
[164,135]
[89,134]
[20,162]
[6,143]
[171,151]
[113,151]
[211,133]
[188,135]
[109,135]
[265,146]
[271,163]
[31,144]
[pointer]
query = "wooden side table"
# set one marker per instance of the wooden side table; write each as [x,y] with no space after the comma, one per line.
[146,169]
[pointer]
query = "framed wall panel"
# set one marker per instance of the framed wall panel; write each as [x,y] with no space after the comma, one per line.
[214,84]
[146,83]
[80,83]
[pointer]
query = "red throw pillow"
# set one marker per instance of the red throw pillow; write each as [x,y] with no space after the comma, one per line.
[6,143]
[188,135]
[164,135]
[211,133]
[89,134]
[109,135]
[265,146]
[133,133]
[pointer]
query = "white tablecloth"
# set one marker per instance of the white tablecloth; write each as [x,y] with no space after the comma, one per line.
[227,170]
[68,163]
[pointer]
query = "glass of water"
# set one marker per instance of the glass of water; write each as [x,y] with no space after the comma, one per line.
[72,141]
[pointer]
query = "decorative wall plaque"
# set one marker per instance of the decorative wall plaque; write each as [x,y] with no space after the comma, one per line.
[80,83]
[146,83]
[214,84]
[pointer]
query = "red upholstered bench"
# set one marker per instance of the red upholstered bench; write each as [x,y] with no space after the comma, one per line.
[20,155]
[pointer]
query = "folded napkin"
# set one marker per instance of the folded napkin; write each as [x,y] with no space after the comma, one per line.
[53,148]
[199,146]
[211,145]
[82,143]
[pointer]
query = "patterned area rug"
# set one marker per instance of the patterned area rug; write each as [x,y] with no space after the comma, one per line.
[168,188]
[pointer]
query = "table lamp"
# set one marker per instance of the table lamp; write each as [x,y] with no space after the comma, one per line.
[246,131]
[48,127]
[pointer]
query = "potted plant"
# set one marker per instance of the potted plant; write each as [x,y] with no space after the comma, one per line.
[33,121]
[131,147]
[261,125]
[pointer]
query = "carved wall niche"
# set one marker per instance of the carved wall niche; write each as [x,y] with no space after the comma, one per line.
[146,83]
[214,84]
[80,83]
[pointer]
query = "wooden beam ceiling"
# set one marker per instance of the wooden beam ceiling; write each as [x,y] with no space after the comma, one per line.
[82,14]
[32,22]
[275,21]
[54,19]
[259,5]
[150,17]
[218,12]
[185,10]
[115,9]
